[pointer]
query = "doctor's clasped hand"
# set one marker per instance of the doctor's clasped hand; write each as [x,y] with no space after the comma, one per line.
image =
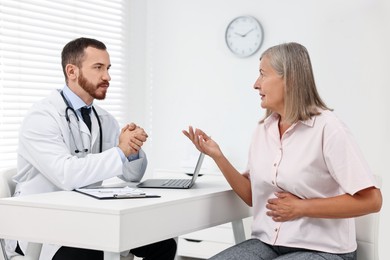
[131,139]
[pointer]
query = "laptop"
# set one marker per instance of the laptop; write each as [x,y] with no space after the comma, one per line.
[174,183]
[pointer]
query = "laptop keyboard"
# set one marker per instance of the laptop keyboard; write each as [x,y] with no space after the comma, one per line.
[177,182]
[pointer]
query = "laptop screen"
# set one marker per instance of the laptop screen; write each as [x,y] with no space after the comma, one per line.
[197,168]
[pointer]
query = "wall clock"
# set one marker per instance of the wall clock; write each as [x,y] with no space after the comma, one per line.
[244,36]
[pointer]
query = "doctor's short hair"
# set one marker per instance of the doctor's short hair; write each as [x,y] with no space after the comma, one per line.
[73,52]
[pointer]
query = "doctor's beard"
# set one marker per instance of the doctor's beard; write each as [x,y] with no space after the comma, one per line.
[92,89]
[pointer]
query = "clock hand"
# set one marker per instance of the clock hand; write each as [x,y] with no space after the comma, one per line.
[241,35]
[247,32]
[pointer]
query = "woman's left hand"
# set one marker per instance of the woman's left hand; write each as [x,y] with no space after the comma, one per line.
[284,207]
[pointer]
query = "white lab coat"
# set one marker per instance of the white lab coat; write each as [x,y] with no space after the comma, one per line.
[47,160]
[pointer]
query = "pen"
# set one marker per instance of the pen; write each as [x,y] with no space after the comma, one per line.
[127,195]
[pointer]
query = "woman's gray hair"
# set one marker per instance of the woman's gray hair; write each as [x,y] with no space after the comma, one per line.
[292,62]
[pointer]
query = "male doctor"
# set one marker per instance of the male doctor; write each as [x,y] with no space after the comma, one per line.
[62,149]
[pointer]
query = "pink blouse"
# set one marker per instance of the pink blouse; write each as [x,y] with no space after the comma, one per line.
[317,158]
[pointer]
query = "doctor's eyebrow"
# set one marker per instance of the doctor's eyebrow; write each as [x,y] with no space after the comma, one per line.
[98,64]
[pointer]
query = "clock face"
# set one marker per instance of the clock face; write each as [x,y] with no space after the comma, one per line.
[244,36]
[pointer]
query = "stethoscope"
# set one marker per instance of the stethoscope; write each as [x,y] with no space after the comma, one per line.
[69,108]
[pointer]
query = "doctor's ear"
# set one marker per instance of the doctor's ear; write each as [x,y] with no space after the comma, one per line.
[72,71]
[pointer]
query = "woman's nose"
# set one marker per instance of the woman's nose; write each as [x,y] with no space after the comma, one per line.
[257,83]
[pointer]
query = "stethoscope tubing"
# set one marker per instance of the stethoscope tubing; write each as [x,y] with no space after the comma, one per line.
[69,108]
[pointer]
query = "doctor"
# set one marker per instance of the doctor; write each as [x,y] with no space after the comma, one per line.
[62,149]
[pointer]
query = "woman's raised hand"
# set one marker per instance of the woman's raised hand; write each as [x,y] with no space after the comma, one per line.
[203,142]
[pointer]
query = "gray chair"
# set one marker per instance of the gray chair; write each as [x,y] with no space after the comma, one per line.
[7,188]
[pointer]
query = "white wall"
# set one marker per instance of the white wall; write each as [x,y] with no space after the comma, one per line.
[187,75]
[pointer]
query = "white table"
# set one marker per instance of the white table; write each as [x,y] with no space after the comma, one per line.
[72,219]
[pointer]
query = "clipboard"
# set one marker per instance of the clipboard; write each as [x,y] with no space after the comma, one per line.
[116,193]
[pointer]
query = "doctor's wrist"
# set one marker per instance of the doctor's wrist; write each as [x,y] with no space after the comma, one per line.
[127,150]
[121,154]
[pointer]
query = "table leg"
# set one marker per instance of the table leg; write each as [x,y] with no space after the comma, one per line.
[238,231]
[112,255]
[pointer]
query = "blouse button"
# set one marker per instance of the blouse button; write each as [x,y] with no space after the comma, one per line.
[276,230]
[274,164]
[273,182]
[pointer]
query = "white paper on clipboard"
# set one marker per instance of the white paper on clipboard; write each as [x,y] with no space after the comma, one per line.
[116,193]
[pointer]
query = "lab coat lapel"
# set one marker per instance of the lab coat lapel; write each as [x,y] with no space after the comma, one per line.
[84,128]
